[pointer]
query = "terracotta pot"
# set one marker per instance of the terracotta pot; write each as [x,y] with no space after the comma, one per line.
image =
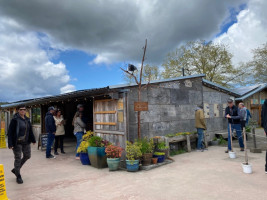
[154,160]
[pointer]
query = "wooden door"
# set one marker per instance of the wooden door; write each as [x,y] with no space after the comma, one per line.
[110,120]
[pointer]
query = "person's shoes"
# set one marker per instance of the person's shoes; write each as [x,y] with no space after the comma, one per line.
[265,171]
[205,149]
[242,149]
[77,158]
[19,179]
[51,157]
[56,153]
[14,172]
[63,152]
[227,151]
[200,150]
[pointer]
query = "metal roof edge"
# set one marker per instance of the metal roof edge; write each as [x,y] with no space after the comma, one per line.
[252,92]
[157,81]
[221,87]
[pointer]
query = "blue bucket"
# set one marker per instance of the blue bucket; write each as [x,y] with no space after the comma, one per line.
[132,165]
[84,159]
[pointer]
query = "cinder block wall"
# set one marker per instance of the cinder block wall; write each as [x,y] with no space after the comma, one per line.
[215,103]
[171,107]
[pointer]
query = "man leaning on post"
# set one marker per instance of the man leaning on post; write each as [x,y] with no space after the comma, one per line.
[50,127]
[234,115]
[201,126]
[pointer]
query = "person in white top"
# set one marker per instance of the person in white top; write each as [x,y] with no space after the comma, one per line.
[60,132]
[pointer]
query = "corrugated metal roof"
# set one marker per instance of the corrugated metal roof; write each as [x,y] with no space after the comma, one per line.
[258,89]
[245,90]
[61,97]
[227,90]
[158,81]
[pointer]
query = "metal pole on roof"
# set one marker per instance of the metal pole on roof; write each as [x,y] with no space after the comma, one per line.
[183,71]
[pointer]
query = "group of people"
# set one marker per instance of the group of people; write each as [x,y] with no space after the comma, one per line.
[238,118]
[20,135]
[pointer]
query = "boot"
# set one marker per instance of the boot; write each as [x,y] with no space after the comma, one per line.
[19,179]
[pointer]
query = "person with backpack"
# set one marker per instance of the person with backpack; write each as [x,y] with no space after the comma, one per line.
[20,137]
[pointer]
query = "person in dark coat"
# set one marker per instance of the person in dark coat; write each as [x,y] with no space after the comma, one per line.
[50,127]
[264,125]
[20,136]
[234,115]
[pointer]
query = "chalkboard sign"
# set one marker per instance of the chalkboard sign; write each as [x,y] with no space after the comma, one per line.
[43,141]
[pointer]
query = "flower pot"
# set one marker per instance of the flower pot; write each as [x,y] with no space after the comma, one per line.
[147,159]
[84,159]
[160,158]
[154,161]
[97,156]
[247,169]
[232,154]
[113,163]
[132,165]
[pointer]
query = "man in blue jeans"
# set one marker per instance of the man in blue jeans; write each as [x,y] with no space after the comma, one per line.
[50,127]
[234,115]
[200,124]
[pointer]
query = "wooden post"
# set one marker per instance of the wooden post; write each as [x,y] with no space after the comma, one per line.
[245,144]
[255,149]
[188,143]
[231,137]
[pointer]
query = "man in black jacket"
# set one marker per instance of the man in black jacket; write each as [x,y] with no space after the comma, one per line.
[234,115]
[50,127]
[20,136]
[264,124]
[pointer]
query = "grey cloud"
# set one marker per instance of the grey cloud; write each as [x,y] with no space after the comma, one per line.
[116,30]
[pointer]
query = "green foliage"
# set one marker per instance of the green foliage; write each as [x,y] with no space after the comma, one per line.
[173,153]
[180,133]
[161,146]
[133,151]
[96,141]
[215,139]
[159,154]
[200,57]
[222,141]
[248,129]
[147,145]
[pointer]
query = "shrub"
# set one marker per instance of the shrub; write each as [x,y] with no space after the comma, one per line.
[161,146]
[113,151]
[147,145]
[88,135]
[133,151]
[96,141]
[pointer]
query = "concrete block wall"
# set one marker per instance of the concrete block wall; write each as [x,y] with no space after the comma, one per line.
[171,107]
[215,123]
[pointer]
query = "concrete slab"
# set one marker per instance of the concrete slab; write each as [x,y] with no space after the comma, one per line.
[205,175]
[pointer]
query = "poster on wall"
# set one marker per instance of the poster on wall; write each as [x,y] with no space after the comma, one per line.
[206,110]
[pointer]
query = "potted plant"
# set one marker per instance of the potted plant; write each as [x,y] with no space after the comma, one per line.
[161,147]
[147,147]
[133,154]
[113,156]
[82,149]
[160,156]
[154,161]
[96,152]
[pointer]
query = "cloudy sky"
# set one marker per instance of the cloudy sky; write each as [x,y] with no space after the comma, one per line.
[51,47]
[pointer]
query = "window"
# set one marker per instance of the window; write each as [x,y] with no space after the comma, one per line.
[36,115]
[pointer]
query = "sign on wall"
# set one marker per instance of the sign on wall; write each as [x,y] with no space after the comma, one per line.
[140,106]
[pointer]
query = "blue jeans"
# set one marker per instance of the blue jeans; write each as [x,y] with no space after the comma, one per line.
[50,140]
[200,132]
[79,137]
[237,127]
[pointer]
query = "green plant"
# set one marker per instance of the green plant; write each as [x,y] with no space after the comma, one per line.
[147,145]
[133,151]
[173,153]
[88,135]
[83,147]
[161,146]
[222,141]
[113,151]
[96,141]
[215,139]
[159,154]
[248,129]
